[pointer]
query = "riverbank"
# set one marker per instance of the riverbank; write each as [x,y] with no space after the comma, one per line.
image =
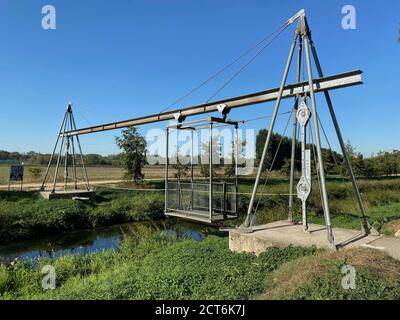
[25,215]
[84,242]
[151,265]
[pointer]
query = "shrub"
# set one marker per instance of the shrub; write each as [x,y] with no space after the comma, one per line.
[25,215]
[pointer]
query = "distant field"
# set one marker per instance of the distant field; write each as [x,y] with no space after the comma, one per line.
[95,173]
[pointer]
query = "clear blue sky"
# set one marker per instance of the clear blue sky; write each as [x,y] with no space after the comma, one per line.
[120,59]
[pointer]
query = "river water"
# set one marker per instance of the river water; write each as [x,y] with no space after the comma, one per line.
[89,241]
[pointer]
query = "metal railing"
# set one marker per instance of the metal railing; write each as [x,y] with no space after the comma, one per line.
[194,197]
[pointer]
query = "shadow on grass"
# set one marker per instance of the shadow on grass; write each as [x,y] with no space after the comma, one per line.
[19,195]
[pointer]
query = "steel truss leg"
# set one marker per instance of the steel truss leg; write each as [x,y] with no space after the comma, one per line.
[166,170]
[59,157]
[191,170]
[52,155]
[325,203]
[211,193]
[66,164]
[73,155]
[81,155]
[74,163]
[366,228]
[249,222]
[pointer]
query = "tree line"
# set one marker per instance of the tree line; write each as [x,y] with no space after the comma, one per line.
[37,158]
[133,157]
[384,163]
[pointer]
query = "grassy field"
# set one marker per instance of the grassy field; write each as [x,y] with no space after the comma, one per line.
[25,214]
[381,198]
[151,265]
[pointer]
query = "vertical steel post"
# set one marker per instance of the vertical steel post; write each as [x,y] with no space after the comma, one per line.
[236,166]
[211,173]
[59,156]
[81,155]
[74,163]
[166,168]
[250,215]
[66,157]
[73,158]
[178,194]
[365,224]
[236,152]
[192,155]
[325,203]
[191,170]
[223,205]
[66,164]
[294,134]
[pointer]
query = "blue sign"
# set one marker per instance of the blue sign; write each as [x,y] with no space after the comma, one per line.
[16,173]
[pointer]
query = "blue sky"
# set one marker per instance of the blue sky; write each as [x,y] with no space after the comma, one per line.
[116,60]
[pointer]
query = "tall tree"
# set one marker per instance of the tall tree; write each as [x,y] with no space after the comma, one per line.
[205,157]
[356,159]
[285,147]
[133,147]
[181,165]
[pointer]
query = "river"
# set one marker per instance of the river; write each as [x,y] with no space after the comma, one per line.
[88,241]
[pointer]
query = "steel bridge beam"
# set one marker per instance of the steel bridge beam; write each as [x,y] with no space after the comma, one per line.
[337,81]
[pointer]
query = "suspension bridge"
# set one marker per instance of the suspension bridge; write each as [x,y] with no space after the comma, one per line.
[213,201]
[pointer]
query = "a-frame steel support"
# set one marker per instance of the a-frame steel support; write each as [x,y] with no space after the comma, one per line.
[67,154]
[302,37]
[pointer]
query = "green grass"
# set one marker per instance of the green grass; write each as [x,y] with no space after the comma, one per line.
[24,215]
[381,198]
[152,267]
[377,276]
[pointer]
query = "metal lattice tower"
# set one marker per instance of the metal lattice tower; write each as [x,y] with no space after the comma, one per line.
[302,38]
[67,156]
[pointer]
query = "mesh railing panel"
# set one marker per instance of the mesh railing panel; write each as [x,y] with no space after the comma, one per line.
[186,196]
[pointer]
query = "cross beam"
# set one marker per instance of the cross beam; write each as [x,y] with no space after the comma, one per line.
[323,84]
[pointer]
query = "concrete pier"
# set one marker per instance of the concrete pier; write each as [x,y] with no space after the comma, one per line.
[282,234]
[69,194]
